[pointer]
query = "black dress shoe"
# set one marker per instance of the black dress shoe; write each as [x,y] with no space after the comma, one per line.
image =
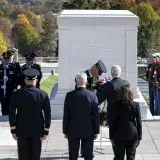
[82,156]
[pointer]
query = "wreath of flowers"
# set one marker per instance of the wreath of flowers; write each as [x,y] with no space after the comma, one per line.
[96,87]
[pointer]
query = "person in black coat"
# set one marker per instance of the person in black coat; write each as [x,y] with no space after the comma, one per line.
[30,117]
[81,119]
[112,88]
[92,78]
[125,126]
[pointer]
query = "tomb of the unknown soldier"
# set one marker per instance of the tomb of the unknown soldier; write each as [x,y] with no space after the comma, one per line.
[86,36]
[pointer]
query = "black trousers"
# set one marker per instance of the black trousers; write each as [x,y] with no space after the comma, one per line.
[128,147]
[5,102]
[74,144]
[82,146]
[29,148]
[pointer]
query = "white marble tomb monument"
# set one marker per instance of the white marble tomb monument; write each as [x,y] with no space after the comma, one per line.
[86,36]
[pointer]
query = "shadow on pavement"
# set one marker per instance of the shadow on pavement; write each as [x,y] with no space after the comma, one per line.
[3,118]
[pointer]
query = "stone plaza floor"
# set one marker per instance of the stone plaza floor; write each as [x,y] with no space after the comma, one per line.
[55,147]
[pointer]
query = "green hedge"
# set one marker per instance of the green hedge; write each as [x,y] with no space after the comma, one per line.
[48,84]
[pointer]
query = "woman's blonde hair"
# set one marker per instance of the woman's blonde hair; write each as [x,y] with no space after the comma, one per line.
[126,95]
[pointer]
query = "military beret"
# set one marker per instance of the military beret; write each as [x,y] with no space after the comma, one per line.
[100,65]
[31,73]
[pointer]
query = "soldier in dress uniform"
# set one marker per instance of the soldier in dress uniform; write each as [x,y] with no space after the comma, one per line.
[30,58]
[13,61]
[30,117]
[157,83]
[92,77]
[94,73]
[150,79]
[18,67]
[8,81]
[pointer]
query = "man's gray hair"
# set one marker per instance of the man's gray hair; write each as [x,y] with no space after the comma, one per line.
[116,71]
[81,79]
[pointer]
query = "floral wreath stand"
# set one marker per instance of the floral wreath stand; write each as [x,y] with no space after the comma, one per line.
[103,123]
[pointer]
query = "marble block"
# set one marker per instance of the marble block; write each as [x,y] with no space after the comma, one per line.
[86,36]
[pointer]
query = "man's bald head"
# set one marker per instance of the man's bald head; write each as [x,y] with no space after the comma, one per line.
[116,71]
[81,79]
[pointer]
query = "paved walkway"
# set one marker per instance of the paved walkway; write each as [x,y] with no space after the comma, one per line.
[55,147]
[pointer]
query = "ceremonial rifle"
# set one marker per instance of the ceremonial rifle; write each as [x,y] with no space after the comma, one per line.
[5,73]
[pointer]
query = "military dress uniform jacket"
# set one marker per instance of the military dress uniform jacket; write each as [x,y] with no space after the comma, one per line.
[30,112]
[157,73]
[39,77]
[12,75]
[149,74]
[89,79]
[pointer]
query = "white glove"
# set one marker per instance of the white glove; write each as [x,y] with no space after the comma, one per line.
[18,87]
[5,78]
[3,87]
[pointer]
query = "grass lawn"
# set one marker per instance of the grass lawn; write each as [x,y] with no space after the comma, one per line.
[143,76]
[147,100]
[48,84]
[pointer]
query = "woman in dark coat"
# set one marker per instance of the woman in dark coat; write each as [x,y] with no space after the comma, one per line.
[125,126]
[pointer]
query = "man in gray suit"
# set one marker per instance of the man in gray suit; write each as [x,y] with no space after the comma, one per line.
[81,119]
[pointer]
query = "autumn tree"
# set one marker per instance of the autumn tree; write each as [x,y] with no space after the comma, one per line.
[35,21]
[22,19]
[28,39]
[3,44]
[104,4]
[148,32]
[52,5]
[7,11]
[16,11]
[81,4]
[122,4]
[15,2]
[5,27]
[48,35]
[156,6]
[3,3]
[25,36]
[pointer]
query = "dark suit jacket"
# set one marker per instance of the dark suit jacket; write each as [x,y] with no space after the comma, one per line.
[111,91]
[125,122]
[81,116]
